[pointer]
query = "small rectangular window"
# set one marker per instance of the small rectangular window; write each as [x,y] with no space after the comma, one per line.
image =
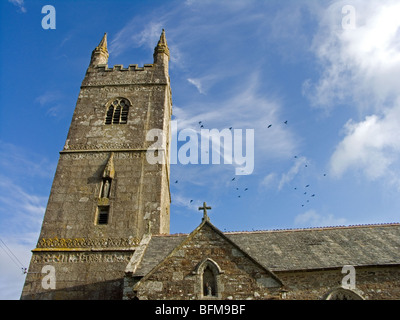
[102,216]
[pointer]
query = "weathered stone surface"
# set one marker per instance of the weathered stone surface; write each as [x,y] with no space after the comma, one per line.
[371,283]
[98,156]
[180,274]
[308,262]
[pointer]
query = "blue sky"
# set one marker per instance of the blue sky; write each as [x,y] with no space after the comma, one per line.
[241,64]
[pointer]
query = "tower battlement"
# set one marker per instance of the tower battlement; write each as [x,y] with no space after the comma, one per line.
[133,74]
[100,74]
[120,67]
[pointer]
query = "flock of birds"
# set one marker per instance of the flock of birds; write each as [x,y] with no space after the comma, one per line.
[307,195]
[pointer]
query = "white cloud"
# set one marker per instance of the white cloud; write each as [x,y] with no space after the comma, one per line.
[279,181]
[247,107]
[360,69]
[47,97]
[360,65]
[20,4]
[197,83]
[371,145]
[181,200]
[21,212]
[293,171]
[269,180]
[22,207]
[311,218]
[22,199]
[20,164]
[21,215]
[131,37]
[50,100]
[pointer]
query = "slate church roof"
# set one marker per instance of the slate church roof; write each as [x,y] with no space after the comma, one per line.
[299,249]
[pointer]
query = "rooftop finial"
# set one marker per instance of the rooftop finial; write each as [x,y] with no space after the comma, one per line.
[162,46]
[103,43]
[100,53]
[205,208]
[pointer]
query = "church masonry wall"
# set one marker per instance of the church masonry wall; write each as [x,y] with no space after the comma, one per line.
[139,189]
[88,131]
[371,282]
[88,254]
[174,281]
[76,190]
[149,94]
[175,278]
[78,275]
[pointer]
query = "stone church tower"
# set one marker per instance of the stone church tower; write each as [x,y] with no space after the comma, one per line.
[105,194]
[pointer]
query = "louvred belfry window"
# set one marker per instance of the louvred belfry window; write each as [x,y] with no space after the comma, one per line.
[117,112]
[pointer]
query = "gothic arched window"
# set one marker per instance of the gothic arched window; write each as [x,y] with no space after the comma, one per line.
[209,283]
[208,273]
[117,111]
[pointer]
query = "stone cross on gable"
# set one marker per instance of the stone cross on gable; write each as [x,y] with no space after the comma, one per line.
[205,208]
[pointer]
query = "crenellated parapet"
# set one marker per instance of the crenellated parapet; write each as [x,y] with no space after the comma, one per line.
[120,67]
[118,75]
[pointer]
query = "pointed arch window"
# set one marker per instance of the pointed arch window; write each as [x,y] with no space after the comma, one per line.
[209,282]
[117,111]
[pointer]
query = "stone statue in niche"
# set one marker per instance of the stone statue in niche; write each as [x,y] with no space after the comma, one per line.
[108,176]
[106,188]
[209,283]
[208,290]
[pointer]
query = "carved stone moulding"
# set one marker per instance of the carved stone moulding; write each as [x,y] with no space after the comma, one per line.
[61,243]
[105,146]
[81,257]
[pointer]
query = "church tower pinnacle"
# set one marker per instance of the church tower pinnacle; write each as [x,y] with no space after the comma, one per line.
[161,51]
[100,53]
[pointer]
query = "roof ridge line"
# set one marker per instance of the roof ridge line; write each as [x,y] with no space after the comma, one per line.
[318,228]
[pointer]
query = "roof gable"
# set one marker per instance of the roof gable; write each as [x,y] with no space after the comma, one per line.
[181,242]
[297,249]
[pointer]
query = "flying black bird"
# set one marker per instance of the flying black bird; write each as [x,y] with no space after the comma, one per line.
[201,126]
[230,128]
[270,126]
[233,179]
[285,122]
[176,181]
[313,195]
[246,189]
[199,122]
[307,186]
[191,201]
